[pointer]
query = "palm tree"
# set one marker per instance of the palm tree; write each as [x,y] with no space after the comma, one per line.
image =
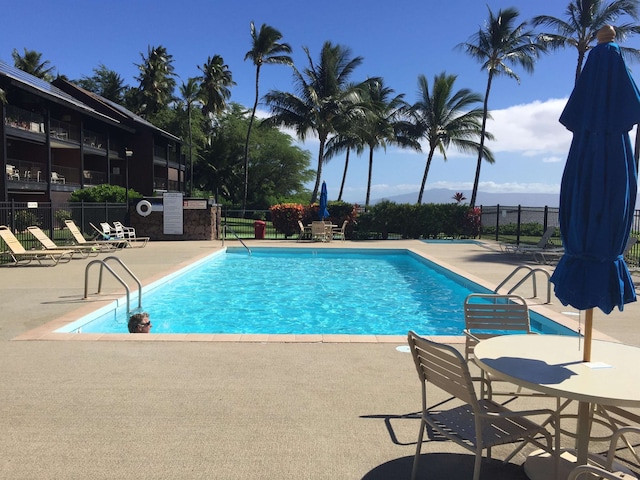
[444,117]
[156,81]
[383,123]
[322,96]
[214,89]
[265,49]
[345,140]
[32,63]
[583,20]
[501,43]
[190,92]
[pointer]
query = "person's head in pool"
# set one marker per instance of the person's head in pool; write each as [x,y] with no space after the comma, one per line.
[140,323]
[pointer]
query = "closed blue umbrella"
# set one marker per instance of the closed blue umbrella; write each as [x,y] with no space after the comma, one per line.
[324,200]
[599,184]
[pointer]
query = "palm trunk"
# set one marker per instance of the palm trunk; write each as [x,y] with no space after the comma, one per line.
[366,203]
[426,172]
[485,112]
[246,143]
[344,174]
[323,140]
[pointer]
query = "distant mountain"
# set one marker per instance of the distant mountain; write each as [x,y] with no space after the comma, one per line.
[443,195]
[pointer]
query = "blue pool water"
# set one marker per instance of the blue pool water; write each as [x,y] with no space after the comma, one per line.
[304,291]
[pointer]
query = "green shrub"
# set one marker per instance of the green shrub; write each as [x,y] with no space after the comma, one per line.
[104,193]
[26,218]
[61,216]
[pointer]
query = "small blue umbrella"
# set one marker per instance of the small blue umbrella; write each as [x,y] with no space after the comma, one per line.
[324,213]
[599,184]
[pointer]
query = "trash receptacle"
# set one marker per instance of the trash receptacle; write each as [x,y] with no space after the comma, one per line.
[259,228]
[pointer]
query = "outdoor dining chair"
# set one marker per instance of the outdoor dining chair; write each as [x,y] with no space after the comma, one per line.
[474,423]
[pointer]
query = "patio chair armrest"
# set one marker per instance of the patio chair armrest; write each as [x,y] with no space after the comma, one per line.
[522,413]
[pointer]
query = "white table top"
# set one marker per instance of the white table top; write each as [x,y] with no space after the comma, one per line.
[552,364]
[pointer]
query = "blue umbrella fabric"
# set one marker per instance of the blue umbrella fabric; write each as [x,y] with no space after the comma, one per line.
[324,200]
[599,184]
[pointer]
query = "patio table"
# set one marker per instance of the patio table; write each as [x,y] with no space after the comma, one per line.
[552,364]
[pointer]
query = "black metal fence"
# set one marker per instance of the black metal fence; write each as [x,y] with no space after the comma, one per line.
[499,222]
[502,222]
[50,217]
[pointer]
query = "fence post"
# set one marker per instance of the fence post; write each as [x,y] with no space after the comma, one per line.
[13,215]
[545,221]
[518,225]
[497,221]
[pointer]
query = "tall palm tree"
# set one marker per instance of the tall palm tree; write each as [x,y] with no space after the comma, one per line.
[384,123]
[215,83]
[190,93]
[322,94]
[583,19]
[156,80]
[443,117]
[32,63]
[345,140]
[497,46]
[265,49]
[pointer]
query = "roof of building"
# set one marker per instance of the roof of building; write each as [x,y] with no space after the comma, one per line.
[41,87]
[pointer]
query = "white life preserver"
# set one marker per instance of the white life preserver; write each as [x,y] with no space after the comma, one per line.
[143,208]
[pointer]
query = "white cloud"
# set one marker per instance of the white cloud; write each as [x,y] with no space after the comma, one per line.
[530,129]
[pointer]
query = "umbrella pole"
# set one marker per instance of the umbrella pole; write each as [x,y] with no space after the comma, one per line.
[588,327]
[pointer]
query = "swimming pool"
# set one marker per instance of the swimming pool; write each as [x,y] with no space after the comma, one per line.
[304,291]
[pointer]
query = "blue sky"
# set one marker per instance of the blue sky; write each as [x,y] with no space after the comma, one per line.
[398,41]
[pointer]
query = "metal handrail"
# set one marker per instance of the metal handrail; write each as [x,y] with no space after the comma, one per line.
[103,265]
[226,227]
[531,273]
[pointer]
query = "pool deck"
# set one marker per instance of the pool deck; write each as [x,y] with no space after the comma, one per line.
[227,407]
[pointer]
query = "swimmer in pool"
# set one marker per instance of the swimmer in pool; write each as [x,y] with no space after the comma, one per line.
[140,323]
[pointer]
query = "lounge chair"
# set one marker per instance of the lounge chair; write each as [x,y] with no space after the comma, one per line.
[82,251]
[126,232]
[118,235]
[305,232]
[55,178]
[21,256]
[531,249]
[338,233]
[104,245]
[473,423]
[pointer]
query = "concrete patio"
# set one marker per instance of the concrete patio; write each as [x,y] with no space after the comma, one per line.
[242,408]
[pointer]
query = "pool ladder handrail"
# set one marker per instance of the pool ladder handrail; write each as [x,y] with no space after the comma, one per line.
[530,274]
[226,227]
[103,265]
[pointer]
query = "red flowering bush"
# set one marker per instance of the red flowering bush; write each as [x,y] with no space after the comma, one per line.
[285,217]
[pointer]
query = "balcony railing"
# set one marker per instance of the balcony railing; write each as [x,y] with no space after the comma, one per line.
[64,131]
[17,117]
[92,177]
[95,140]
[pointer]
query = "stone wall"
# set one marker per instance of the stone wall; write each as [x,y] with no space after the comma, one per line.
[198,224]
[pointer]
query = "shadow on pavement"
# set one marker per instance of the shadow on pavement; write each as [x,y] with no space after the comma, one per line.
[446,466]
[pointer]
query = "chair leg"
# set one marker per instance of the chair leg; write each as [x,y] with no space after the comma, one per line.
[416,459]
[477,464]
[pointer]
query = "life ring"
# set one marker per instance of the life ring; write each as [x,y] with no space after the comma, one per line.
[143,208]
